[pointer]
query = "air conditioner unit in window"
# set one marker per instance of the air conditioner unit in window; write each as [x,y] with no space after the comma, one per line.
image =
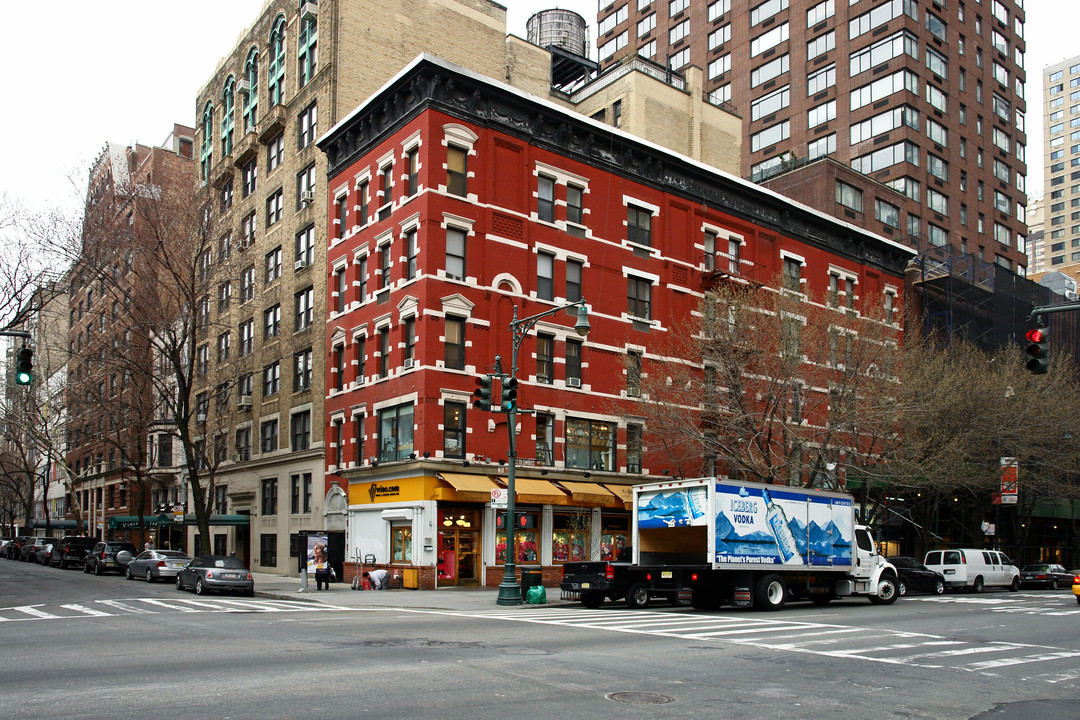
[239,457]
[307,197]
[309,11]
[200,418]
[244,87]
[301,264]
[408,363]
[573,382]
[245,402]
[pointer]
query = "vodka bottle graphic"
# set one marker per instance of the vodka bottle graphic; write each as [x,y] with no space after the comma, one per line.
[697,498]
[778,523]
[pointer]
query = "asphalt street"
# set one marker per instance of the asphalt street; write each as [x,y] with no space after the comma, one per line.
[77,646]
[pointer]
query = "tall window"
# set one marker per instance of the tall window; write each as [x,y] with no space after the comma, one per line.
[545,352]
[412,167]
[251,96]
[274,206]
[456,171]
[453,430]
[301,430]
[249,175]
[305,308]
[573,362]
[573,280]
[638,225]
[302,370]
[545,276]
[396,432]
[339,367]
[227,108]
[341,207]
[305,247]
[384,266]
[454,343]
[206,155]
[633,374]
[273,265]
[275,74]
[792,274]
[305,187]
[247,336]
[455,253]
[410,339]
[268,436]
[271,379]
[362,198]
[545,439]
[639,298]
[307,49]
[384,352]
[308,126]
[633,448]
[849,196]
[386,179]
[243,444]
[340,285]
[272,322]
[545,198]
[575,210]
[413,250]
[269,496]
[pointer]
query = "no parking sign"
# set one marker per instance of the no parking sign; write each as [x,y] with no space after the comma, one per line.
[499,497]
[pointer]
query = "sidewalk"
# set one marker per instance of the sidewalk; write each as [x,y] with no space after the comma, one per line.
[342,595]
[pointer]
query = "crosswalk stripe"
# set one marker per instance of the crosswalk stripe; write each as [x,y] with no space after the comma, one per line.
[33,611]
[87,611]
[1006,662]
[117,604]
[180,608]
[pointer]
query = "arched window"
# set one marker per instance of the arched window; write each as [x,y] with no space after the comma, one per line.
[207,153]
[275,74]
[227,106]
[251,99]
[307,55]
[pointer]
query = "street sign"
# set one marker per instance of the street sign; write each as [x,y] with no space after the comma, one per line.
[499,497]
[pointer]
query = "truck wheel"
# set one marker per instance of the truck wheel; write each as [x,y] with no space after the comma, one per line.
[770,593]
[977,586]
[637,596]
[1014,586]
[592,599]
[886,591]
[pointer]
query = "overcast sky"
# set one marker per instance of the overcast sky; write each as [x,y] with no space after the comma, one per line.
[125,70]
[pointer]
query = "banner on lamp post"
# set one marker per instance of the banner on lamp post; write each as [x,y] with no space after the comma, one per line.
[1009,469]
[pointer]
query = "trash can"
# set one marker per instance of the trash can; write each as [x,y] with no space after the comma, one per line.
[530,576]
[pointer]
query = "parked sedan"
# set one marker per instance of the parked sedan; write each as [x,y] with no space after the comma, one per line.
[157,564]
[32,549]
[914,576]
[11,550]
[217,573]
[111,555]
[1045,575]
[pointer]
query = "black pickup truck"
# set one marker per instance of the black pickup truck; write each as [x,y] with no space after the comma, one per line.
[596,581]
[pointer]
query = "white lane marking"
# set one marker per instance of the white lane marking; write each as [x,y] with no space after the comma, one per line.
[34,612]
[86,611]
[179,608]
[1005,662]
[122,606]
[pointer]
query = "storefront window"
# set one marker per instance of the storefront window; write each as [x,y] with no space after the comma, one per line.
[401,542]
[396,432]
[590,444]
[525,540]
[570,536]
[459,546]
[614,536]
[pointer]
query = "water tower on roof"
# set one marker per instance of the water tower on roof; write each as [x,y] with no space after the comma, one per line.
[564,34]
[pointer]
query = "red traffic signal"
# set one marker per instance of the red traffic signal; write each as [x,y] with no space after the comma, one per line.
[482,394]
[1037,351]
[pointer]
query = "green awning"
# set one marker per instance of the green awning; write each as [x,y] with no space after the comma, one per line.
[131,522]
[233,520]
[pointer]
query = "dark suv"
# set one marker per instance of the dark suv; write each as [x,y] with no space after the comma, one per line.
[109,556]
[71,550]
[12,549]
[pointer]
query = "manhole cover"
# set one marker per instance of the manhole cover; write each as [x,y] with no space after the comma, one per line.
[640,698]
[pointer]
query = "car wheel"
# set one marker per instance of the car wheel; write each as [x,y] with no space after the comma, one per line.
[1053,584]
[97,568]
[129,575]
[85,568]
[179,585]
[1078,599]
[901,588]
[200,589]
[886,591]
[977,586]
[637,597]
[770,593]
[939,587]
[1014,586]
[149,575]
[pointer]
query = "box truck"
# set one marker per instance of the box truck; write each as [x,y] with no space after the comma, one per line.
[711,542]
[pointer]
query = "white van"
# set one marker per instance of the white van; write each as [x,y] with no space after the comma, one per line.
[973,569]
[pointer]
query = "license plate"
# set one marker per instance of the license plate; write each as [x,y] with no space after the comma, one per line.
[950,572]
[230,576]
[584,586]
[666,574]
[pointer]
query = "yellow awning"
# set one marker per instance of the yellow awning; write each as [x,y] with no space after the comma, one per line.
[469,483]
[587,488]
[626,492]
[525,486]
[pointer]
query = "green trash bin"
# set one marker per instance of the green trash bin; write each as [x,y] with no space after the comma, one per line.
[530,576]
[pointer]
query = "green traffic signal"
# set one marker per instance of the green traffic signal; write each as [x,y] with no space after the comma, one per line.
[24,367]
[509,395]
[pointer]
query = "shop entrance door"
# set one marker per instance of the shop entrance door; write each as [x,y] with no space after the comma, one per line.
[459,547]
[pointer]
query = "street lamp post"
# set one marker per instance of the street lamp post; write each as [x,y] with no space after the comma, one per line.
[509,589]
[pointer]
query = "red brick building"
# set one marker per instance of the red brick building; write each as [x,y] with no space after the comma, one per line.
[455,198]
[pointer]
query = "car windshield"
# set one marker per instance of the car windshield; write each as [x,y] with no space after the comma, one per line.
[1036,568]
[227,563]
[173,554]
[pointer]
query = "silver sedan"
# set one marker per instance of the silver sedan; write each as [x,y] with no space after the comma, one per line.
[157,564]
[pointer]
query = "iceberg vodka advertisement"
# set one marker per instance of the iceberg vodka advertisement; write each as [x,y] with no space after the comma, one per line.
[781,526]
[677,507]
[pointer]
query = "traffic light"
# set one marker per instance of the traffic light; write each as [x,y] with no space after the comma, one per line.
[509,395]
[1038,350]
[24,366]
[522,521]
[482,393]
